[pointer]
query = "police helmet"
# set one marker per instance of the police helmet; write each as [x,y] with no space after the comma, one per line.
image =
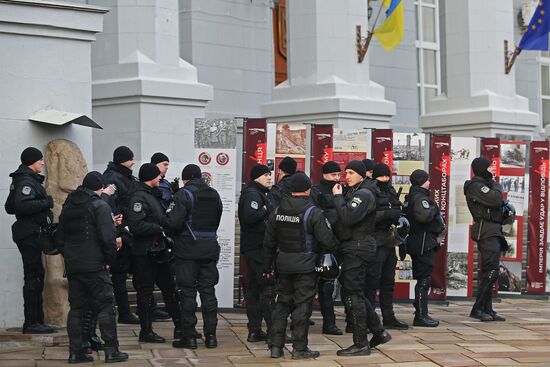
[441,227]
[400,231]
[161,251]
[509,215]
[327,267]
[46,237]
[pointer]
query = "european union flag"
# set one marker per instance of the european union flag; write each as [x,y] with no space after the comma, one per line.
[536,36]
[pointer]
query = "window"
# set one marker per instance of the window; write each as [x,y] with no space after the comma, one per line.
[427,50]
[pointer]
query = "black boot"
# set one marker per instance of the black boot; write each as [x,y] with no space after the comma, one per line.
[305,354]
[379,338]
[276,352]
[210,341]
[421,317]
[354,350]
[483,293]
[146,334]
[80,357]
[489,310]
[258,336]
[37,329]
[113,355]
[356,308]
[160,315]
[332,330]
[395,324]
[185,342]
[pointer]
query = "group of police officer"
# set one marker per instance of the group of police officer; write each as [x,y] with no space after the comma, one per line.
[115,223]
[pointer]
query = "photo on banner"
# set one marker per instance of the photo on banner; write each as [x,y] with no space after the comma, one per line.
[215,154]
[290,140]
[349,145]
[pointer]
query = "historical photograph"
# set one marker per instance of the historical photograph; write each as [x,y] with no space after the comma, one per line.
[291,139]
[509,277]
[457,273]
[513,183]
[216,133]
[512,155]
[408,147]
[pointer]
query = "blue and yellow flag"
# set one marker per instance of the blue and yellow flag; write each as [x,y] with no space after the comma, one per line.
[390,33]
[536,36]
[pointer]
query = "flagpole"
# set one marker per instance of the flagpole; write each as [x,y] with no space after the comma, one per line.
[362,49]
[509,62]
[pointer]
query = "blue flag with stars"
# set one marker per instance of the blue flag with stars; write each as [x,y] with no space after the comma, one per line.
[536,36]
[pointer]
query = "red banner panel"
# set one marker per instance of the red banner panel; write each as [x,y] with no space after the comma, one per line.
[490,149]
[538,221]
[382,146]
[254,145]
[321,150]
[440,175]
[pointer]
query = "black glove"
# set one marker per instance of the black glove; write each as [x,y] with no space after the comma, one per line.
[175,185]
[402,251]
[49,201]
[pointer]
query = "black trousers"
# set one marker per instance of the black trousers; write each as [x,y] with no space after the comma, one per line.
[259,293]
[295,294]
[381,275]
[423,265]
[490,250]
[325,291]
[119,271]
[200,276]
[95,291]
[33,272]
[147,273]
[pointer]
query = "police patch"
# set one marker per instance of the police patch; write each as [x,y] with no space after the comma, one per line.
[354,204]
[137,207]
[357,200]
[170,207]
[485,189]
[425,204]
[328,223]
[254,205]
[26,190]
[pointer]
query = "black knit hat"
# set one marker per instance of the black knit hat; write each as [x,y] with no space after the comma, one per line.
[480,165]
[159,157]
[122,154]
[419,177]
[148,172]
[369,164]
[258,170]
[358,167]
[380,169]
[299,182]
[331,167]
[191,171]
[288,165]
[93,181]
[30,155]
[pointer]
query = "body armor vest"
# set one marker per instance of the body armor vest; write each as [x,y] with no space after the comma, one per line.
[292,232]
[203,216]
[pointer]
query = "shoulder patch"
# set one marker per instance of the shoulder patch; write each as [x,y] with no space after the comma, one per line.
[137,207]
[357,200]
[26,190]
[254,205]
[425,204]
[485,189]
[170,207]
[328,223]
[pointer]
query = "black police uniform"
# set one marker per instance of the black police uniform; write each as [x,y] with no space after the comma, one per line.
[484,199]
[86,235]
[322,197]
[144,221]
[194,217]
[259,291]
[425,225]
[279,191]
[356,213]
[298,240]
[124,181]
[32,208]
[381,272]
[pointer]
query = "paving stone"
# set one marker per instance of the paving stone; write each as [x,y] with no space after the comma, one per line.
[453,360]
[404,355]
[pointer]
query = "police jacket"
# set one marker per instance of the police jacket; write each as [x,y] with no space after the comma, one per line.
[423,215]
[388,210]
[86,232]
[279,191]
[194,217]
[124,181]
[31,203]
[356,213]
[484,199]
[253,213]
[299,231]
[166,189]
[322,197]
[144,217]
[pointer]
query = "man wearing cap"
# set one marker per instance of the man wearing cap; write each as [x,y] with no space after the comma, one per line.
[322,197]
[369,166]
[296,232]
[166,187]
[426,225]
[32,206]
[381,272]
[281,189]
[119,174]
[253,211]
[144,221]
[87,238]
[194,217]
[484,199]
[356,213]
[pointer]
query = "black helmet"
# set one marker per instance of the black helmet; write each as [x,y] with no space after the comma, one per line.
[161,250]
[327,267]
[509,215]
[441,227]
[399,231]
[47,239]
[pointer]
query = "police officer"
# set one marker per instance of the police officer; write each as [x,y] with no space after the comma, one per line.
[369,166]
[86,235]
[194,217]
[32,208]
[381,272]
[356,213]
[281,189]
[166,187]
[322,197]
[484,199]
[119,173]
[144,221]
[426,225]
[298,231]
[253,212]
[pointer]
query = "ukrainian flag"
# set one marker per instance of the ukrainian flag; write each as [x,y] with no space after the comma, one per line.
[390,33]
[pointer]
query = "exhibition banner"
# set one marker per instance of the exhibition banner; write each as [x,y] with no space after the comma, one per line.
[254,146]
[349,145]
[321,150]
[538,217]
[290,140]
[440,174]
[382,146]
